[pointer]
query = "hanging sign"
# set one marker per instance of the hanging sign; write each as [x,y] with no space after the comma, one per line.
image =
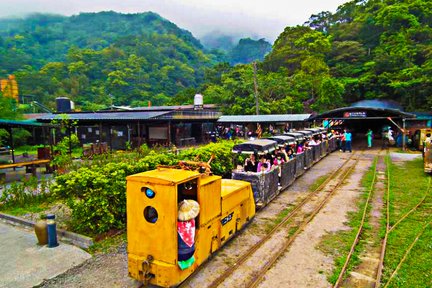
[359,114]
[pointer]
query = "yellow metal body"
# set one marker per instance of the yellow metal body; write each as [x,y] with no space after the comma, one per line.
[225,207]
[420,137]
[427,158]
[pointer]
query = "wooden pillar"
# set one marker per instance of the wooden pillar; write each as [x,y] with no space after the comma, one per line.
[110,137]
[403,134]
[10,130]
[169,133]
[139,134]
[100,132]
[70,139]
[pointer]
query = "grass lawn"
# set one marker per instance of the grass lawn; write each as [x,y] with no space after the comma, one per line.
[408,186]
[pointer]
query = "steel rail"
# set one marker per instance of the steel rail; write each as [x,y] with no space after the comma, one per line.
[384,243]
[287,218]
[257,279]
[359,231]
[414,208]
[406,253]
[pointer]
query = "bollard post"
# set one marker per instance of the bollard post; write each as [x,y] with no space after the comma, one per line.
[52,231]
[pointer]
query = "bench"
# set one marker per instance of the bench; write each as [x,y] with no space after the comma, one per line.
[187,141]
[30,165]
[4,151]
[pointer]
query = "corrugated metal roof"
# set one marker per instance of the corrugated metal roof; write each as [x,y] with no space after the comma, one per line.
[377,113]
[105,116]
[423,115]
[263,118]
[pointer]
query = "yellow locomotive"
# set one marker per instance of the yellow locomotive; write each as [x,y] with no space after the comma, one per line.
[153,199]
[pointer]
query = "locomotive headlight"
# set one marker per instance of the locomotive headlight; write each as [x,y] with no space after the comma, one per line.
[148,192]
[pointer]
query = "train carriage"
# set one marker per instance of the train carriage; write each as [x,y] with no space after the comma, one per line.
[316,149]
[288,173]
[264,185]
[300,157]
[288,169]
[309,153]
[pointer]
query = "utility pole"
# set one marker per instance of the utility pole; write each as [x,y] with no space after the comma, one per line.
[256,89]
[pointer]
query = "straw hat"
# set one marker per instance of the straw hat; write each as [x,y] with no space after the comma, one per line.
[188,209]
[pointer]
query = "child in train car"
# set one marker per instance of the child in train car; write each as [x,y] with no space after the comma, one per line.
[264,167]
[290,153]
[284,153]
[273,155]
[278,164]
[300,148]
[188,210]
[263,160]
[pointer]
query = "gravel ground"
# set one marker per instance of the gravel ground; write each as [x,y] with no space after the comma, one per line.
[103,270]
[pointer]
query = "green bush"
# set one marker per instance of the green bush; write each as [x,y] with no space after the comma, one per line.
[97,193]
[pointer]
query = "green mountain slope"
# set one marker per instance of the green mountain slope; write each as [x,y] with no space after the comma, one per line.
[135,58]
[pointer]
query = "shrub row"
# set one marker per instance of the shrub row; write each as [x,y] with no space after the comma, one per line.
[97,194]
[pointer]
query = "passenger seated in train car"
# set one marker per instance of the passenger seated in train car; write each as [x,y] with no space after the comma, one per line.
[264,167]
[312,142]
[306,145]
[251,164]
[284,153]
[277,163]
[290,153]
[264,162]
[300,148]
[274,155]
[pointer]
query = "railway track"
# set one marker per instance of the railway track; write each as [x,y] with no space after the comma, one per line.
[340,280]
[255,261]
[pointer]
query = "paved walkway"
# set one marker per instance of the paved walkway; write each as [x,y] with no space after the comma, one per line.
[25,264]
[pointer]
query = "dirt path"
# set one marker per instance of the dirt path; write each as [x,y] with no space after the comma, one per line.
[304,265]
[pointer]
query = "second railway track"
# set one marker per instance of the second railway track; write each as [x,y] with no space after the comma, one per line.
[249,268]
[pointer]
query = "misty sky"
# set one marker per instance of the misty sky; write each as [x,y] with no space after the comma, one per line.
[255,18]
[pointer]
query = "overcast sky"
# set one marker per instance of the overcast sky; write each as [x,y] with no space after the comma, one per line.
[257,18]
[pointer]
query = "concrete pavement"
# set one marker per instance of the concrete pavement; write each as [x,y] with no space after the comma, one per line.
[23,263]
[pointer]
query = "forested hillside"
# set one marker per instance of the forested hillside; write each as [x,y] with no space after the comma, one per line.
[133,58]
[100,59]
[366,50]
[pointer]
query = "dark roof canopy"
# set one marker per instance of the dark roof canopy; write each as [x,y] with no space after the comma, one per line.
[5,123]
[362,112]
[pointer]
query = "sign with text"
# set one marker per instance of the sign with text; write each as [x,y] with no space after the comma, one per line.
[357,114]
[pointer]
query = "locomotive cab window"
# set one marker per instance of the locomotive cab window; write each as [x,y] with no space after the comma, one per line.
[188,191]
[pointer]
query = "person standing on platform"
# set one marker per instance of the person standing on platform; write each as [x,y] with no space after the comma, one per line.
[348,138]
[369,135]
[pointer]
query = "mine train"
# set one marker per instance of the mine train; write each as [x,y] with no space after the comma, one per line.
[225,206]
